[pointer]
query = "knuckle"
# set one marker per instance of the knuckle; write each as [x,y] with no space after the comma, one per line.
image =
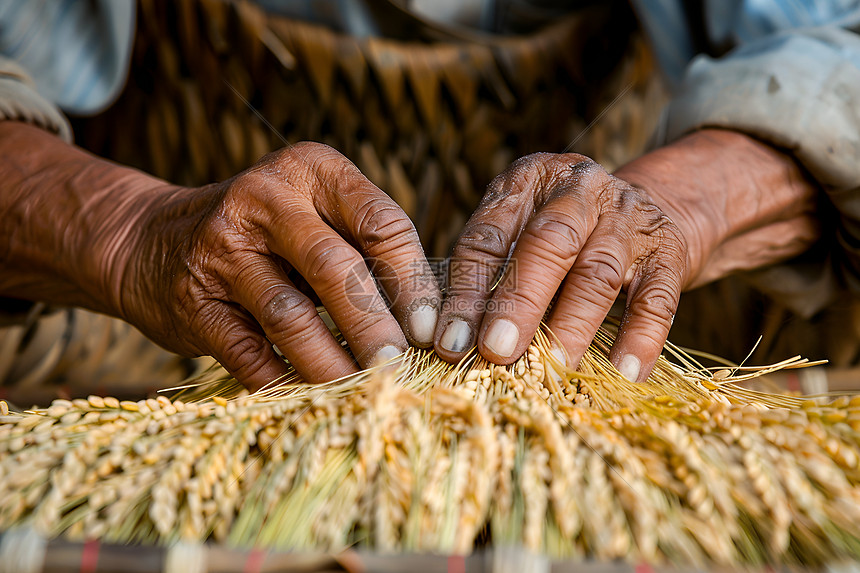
[670,247]
[577,165]
[218,231]
[672,233]
[325,161]
[285,309]
[237,223]
[578,170]
[657,302]
[311,146]
[548,170]
[626,199]
[532,161]
[299,336]
[483,238]
[618,196]
[602,274]
[510,181]
[300,162]
[500,187]
[273,162]
[330,257]
[245,354]
[650,221]
[365,331]
[365,325]
[567,325]
[519,302]
[632,201]
[244,201]
[309,153]
[195,287]
[577,176]
[556,235]
[380,220]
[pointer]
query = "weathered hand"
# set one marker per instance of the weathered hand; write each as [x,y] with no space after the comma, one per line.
[713,203]
[205,270]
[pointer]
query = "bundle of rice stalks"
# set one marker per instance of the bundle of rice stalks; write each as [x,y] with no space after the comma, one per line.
[424,456]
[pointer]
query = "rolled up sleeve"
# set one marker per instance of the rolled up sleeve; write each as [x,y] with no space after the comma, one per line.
[20,101]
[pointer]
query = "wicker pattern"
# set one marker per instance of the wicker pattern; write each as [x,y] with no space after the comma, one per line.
[216,84]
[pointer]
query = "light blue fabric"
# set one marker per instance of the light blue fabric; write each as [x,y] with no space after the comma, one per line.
[76,51]
[350,16]
[20,101]
[731,23]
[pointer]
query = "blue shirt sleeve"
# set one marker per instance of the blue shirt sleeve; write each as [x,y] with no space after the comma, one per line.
[77,52]
[678,30]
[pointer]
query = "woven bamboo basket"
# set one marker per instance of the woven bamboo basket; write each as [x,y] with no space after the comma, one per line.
[431,119]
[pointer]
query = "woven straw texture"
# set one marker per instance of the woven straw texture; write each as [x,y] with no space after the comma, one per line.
[215,85]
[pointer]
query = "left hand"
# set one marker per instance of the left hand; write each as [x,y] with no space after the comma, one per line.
[710,204]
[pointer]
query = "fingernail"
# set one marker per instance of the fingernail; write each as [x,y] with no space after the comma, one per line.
[502,337]
[629,367]
[386,354]
[456,337]
[422,323]
[559,354]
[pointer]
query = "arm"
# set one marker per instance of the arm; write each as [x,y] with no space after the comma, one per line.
[712,203]
[61,209]
[206,270]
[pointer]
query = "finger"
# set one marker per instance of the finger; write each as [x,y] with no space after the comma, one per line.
[338,274]
[386,236]
[545,253]
[242,349]
[290,321]
[481,252]
[652,299]
[592,285]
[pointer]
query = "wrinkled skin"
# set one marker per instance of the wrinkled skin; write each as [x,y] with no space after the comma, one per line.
[711,204]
